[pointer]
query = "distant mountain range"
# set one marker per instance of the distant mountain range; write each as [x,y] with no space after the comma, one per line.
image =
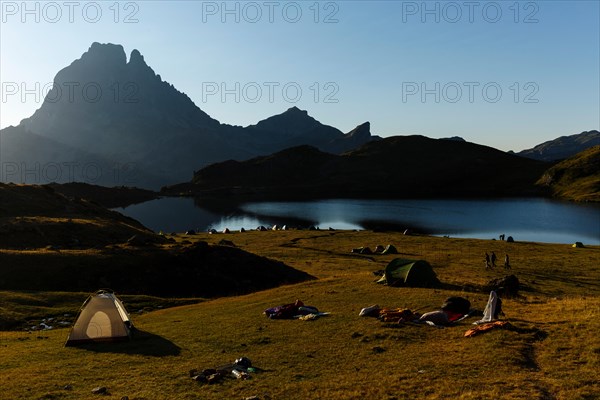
[563,147]
[114,122]
[396,167]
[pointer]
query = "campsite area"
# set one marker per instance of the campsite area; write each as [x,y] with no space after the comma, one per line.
[551,351]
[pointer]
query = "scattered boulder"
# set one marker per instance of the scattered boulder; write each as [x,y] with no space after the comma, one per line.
[100,390]
[508,286]
[225,242]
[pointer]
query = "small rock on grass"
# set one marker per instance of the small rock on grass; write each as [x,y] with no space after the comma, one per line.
[100,390]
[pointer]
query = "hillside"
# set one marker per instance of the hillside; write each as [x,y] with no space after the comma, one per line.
[563,147]
[166,269]
[396,167]
[550,350]
[113,121]
[51,242]
[37,216]
[107,197]
[576,178]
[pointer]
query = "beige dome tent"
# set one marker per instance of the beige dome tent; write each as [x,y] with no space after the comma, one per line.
[102,318]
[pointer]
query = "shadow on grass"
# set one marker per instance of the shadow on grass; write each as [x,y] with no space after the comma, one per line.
[142,343]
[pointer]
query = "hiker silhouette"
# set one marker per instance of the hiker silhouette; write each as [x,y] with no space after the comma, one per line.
[507,262]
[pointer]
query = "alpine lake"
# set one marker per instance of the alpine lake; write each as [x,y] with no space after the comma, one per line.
[525,219]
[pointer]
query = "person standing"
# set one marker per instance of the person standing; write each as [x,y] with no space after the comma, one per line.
[493,260]
[506,262]
[487,261]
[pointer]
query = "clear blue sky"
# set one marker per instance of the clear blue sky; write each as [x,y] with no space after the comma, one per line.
[430,68]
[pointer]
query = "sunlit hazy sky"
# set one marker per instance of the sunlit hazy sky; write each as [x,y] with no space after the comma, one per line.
[504,74]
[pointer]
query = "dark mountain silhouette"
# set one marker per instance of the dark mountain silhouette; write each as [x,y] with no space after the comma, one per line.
[136,129]
[455,138]
[576,178]
[118,196]
[563,147]
[395,167]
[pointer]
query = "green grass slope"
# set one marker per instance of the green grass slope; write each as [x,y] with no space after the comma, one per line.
[553,352]
[576,178]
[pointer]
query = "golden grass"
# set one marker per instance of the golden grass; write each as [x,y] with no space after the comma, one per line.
[553,354]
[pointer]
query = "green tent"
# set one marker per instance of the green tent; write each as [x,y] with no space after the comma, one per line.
[401,272]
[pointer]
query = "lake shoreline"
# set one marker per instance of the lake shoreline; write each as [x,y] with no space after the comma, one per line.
[530,219]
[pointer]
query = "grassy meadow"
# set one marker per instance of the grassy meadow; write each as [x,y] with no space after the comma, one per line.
[552,352]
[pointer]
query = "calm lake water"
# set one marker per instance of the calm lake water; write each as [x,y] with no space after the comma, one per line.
[539,220]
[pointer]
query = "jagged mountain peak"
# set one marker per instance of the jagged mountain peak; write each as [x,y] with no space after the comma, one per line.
[105,107]
[361,130]
[105,53]
[295,110]
[136,58]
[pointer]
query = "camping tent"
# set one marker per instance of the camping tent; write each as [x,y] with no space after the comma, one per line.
[102,318]
[401,272]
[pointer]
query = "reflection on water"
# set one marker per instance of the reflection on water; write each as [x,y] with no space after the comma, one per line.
[538,220]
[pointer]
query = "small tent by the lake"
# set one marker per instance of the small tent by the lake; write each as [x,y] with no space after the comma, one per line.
[102,318]
[403,272]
